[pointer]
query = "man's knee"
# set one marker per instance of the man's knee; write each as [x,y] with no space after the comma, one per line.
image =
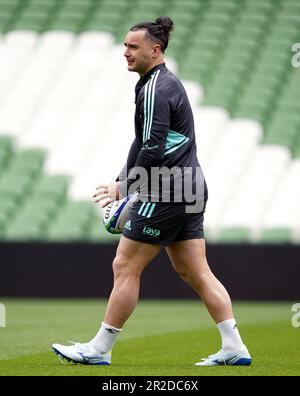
[123,266]
[194,275]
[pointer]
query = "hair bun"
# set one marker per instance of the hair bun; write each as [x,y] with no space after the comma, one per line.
[166,23]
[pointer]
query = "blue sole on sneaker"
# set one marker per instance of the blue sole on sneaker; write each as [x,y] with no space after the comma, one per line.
[242,362]
[102,364]
[71,360]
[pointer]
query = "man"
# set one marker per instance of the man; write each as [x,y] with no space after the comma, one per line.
[164,139]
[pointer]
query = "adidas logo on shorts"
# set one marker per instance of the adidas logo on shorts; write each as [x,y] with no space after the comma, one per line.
[128,225]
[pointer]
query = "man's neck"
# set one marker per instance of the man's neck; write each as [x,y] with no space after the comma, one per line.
[161,61]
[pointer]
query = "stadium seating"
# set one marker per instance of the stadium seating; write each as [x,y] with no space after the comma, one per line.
[67,103]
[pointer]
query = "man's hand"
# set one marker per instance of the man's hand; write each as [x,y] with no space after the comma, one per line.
[107,193]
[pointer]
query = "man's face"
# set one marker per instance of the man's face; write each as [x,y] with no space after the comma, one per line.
[140,52]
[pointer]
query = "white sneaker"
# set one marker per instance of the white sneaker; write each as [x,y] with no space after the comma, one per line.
[227,358]
[82,353]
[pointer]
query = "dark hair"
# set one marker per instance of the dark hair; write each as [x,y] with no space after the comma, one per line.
[158,31]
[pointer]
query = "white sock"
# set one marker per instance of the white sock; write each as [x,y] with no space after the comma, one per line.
[231,338]
[105,338]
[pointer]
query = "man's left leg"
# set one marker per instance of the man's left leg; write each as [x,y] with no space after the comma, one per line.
[189,261]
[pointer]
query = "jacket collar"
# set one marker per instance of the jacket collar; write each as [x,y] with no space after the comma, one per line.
[142,81]
[146,77]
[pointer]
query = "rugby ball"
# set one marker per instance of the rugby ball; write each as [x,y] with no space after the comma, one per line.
[116,213]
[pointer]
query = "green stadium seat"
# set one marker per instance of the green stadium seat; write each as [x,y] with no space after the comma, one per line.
[96,26]
[110,19]
[35,13]
[6,143]
[80,213]
[20,231]
[30,156]
[67,232]
[17,188]
[79,2]
[10,3]
[148,8]
[141,16]
[254,22]
[223,7]
[43,3]
[182,22]
[7,210]
[276,235]
[220,97]
[29,23]
[283,119]
[200,57]
[282,135]
[224,79]
[76,15]
[5,152]
[112,6]
[192,8]
[288,19]
[296,147]
[254,111]
[156,2]
[66,24]
[75,8]
[5,22]
[115,3]
[202,44]
[47,205]
[27,163]
[258,8]
[290,7]
[41,6]
[234,235]
[256,93]
[54,186]
[216,19]
[98,233]
[197,72]
[7,205]
[26,175]
[244,42]
[32,216]
[6,15]
[72,223]
[3,161]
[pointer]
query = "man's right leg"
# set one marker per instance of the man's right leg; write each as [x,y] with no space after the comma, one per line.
[131,259]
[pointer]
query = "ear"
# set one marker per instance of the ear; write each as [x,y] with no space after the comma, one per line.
[156,50]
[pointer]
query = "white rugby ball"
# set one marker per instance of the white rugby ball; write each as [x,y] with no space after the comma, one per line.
[116,213]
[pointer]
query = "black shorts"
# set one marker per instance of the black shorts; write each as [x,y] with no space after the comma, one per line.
[162,223]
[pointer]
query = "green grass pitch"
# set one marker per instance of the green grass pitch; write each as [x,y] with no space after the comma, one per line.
[161,338]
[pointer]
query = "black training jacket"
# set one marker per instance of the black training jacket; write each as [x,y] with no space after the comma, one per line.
[164,139]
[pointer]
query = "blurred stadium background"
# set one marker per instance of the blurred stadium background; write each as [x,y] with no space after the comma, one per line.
[66,124]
